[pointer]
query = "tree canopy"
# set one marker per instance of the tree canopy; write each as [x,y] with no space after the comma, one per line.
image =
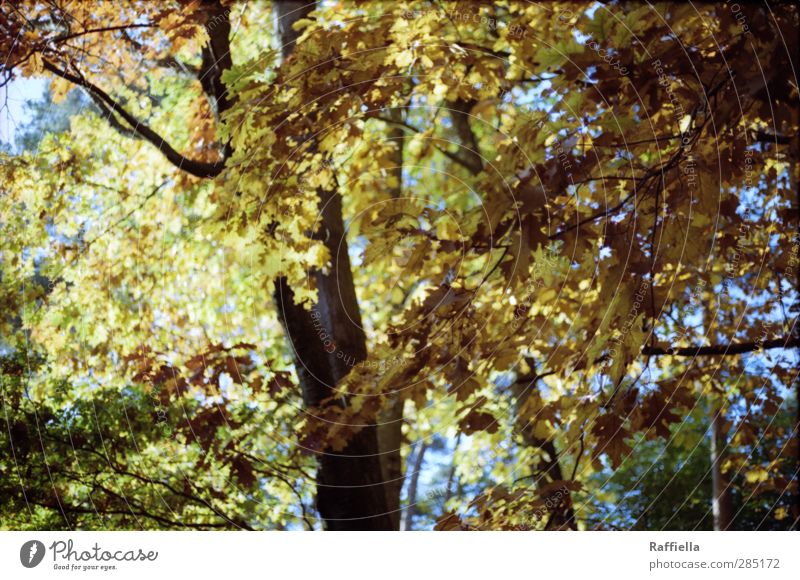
[383,265]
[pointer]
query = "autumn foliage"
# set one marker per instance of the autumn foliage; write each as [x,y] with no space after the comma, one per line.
[287,257]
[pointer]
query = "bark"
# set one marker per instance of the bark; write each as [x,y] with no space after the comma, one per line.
[468,153]
[451,475]
[285,14]
[350,490]
[411,508]
[139,129]
[732,348]
[722,502]
[545,470]
[390,441]
[216,58]
[216,55]
[390,420]
[350,493]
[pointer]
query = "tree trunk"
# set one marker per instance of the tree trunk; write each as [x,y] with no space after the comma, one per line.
[468,152]
[411,508]
[285,13]
[722,503]
[390,420]
[350,491]
[451,475]
[390,442]
[216,55]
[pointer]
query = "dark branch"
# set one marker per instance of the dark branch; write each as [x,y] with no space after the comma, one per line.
[111,118]
[130,512]
[196,168]
[287,12]
[469,152]
[722,349]
[65,37]
[775,138]
[216,56]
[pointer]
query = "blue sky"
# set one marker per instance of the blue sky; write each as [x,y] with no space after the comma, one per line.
[12,100]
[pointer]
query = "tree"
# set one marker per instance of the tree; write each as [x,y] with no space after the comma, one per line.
[300,250]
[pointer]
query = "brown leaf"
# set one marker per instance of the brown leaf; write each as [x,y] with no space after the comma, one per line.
[610,438]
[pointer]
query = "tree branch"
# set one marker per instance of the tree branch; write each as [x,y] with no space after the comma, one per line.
[196,168]
[774,138]
[469,152]
[722,349]
[111,118]
[216,56]
[70,36]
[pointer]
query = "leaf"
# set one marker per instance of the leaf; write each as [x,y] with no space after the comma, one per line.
[610,434]
[478,421]
[449,522]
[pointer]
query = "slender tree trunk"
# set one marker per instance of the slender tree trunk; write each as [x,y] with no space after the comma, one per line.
[468,152]
[411,508]
[285,13]
[216,56]
[350,491]
[390,420]
[451,475]
[722,502]
[390,442]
